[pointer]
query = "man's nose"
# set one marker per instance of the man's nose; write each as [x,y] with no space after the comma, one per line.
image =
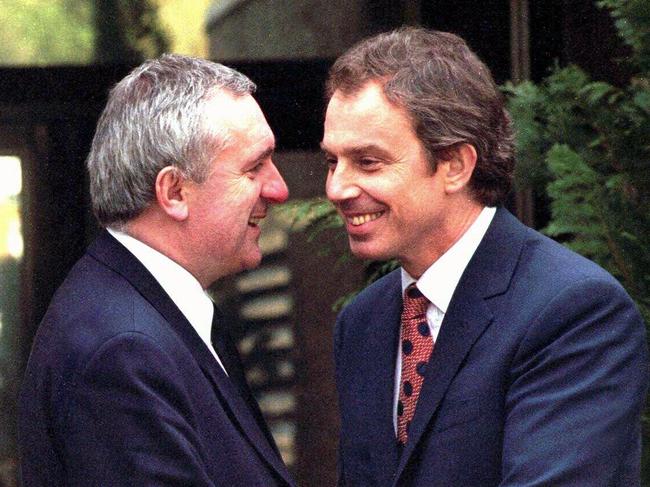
[275,189]
[341,184]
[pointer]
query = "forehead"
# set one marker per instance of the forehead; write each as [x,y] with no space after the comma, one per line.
[364,115]
[238,116]
[240,123]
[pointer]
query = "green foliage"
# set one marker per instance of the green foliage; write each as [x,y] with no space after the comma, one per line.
[531,145]
[46,33]
[586,144]
[314,216]
[145,33]
[37,33]
[128,31]
[632,18]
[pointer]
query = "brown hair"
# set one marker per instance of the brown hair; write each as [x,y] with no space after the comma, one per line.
[447,91]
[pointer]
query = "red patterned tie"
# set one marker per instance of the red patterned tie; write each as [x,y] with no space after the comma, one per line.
[417,345]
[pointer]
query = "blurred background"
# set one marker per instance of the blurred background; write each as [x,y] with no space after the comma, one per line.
[58,60]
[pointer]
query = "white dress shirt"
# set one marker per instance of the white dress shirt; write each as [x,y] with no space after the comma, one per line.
[439,282]
[181,286]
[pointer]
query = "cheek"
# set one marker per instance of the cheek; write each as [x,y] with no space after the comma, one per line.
[385,191]
[244,192]
[239,189]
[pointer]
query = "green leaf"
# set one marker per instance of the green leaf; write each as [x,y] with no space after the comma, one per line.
[596,91]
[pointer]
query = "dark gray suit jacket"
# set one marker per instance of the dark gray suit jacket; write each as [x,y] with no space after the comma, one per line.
[538,376]
[120,390]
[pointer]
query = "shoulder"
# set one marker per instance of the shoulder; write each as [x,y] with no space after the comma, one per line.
[564,297]
[374,309]
[92,307]
[536,258]
[94,293]
[552,262]
[376,295]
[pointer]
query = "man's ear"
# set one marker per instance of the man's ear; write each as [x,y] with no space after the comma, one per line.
[461,164]
[170,193]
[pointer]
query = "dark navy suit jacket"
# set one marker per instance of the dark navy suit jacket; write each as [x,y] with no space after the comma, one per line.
[120,390]
[538,375]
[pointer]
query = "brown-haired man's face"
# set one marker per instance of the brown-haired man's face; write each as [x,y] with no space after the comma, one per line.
[380,180]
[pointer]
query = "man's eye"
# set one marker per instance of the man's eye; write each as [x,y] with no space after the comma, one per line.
[330,161]
[257,167]
[368,162]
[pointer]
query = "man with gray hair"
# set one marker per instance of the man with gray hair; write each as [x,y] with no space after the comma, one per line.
[132,379]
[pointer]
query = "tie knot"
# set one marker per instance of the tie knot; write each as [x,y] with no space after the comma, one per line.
[413,292]
[415,303]
[413,295]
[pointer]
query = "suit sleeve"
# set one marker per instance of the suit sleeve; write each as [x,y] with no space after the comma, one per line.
[577,388]
[130,421]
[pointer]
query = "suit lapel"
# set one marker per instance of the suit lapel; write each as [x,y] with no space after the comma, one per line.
[231,360]
[463,324]
[466,319]
[378,402]
[244,415]
[109,251]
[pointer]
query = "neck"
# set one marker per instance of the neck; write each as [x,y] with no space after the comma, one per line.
[163,236]
[452,227]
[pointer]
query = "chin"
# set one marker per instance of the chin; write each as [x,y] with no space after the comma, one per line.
[252,261]
[362,250]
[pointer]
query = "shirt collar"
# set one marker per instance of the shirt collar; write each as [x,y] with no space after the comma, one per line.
[181,286]
[439,281]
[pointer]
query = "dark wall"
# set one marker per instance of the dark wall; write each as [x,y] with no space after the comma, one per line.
[578,32]
[590,40]
[563,31]
[484,25]
[48,117]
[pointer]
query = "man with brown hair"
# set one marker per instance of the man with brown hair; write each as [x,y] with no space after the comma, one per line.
[494,356]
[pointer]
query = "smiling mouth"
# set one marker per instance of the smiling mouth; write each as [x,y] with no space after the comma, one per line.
[357,220]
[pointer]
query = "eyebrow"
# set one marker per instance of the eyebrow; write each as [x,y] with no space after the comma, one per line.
[359,150]
[266,154]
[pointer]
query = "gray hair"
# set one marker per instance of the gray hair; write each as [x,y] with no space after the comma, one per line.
[155,117]
[448,93]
